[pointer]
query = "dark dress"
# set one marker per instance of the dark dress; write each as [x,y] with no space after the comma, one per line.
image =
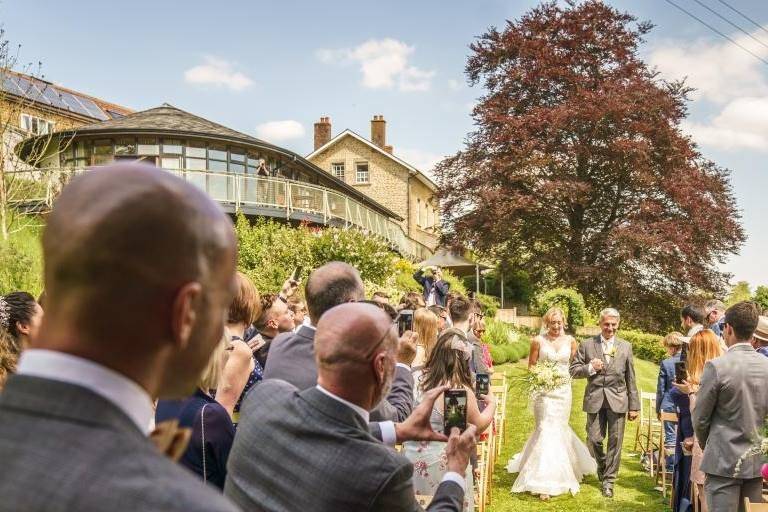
[219,434]
[256,375]
[681,480]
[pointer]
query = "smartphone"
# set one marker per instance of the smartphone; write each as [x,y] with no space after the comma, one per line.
[454,410]
[681,374]
[482,384]
[404,321]
[296,273]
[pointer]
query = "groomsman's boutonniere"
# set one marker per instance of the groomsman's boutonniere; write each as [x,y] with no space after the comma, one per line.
[611,352]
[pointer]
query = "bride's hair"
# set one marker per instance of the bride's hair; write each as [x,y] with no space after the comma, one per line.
[446,365]
[550,315]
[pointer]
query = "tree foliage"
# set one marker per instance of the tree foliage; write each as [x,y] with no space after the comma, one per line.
[578,171]
[569,300]
[761,297]
[739,292]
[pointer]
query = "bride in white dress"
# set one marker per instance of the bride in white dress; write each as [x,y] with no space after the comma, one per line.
[554,459]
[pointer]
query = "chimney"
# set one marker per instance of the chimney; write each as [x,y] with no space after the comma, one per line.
[322,132]
[388,149]
[379,131]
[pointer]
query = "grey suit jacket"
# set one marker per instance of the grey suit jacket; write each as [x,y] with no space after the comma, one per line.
[65,448]
[615,384]
[302,450]
[292,359]
[731,405]
[477,354]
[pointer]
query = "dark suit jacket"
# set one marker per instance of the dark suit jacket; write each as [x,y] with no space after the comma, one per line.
[427,283]
[303,450]
[65,448]
[292,359]
[664,385]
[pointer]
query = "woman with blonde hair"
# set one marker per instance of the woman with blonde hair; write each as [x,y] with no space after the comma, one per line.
[425,324]
[554,459]
[211,424]
[703,346]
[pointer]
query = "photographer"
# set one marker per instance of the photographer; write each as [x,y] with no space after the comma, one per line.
[434,288]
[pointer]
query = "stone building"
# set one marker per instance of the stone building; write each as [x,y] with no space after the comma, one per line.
[370,166]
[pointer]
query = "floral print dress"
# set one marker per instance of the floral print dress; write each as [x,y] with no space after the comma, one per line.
[430,464]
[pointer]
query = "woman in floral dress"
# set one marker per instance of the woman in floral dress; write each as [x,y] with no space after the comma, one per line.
[447,364]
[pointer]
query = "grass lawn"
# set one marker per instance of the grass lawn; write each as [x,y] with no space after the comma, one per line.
[633,489]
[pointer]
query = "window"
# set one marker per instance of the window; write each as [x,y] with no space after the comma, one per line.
[196,150]
[418,212]
[170,162]
[172,147]
[125,147]
[362,175]
[35,125]
[337,169]
[148,147]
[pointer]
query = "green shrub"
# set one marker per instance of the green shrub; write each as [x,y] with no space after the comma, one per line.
[21,260]
[645,346]
[498,354]
[567,299]
[499,333]
[489,304]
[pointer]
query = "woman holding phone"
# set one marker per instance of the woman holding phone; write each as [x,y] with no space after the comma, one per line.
[704,345]
[447,364]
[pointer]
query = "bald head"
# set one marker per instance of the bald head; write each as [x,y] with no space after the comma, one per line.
[330,285]
[120,245]
[355,346]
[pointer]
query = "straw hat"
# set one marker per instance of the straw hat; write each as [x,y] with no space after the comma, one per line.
[761,332]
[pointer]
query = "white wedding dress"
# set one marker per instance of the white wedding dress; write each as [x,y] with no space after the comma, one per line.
[553,460]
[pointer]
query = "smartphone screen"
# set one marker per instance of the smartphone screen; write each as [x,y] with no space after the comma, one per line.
[296,273]
[681,374]
[454,410]
[482,384]
[404,321]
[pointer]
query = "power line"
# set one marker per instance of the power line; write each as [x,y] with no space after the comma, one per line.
[737,27]
[713,29]
[743,15]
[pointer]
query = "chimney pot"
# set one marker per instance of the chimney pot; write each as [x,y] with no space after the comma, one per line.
[322,132]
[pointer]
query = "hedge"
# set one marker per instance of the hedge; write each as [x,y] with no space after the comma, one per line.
[567,299]
[648,347]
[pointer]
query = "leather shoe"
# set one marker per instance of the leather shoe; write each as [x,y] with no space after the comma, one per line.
[608,491]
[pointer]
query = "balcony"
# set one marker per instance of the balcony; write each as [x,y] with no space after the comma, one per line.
[256,196]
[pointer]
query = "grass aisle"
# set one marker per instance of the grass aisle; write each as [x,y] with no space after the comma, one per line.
[633,489]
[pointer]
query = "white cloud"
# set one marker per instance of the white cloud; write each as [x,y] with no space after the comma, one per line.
[742,124]
[217,72]
[720,71]
[424,161]
[278,131]
[384,64]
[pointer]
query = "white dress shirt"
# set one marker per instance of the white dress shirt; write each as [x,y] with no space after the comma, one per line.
[607,346]
[388,434]
[124,393]
[740,344]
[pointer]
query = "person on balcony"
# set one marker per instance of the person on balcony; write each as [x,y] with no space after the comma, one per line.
[433,286]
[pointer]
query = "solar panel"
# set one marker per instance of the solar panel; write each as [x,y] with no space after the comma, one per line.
[30,91]
[10,85]
[53,95]
[73,104]
[93,108]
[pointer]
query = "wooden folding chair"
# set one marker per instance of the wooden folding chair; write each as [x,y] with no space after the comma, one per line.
[648,426]
[755,507]
[663,474]
[500,394]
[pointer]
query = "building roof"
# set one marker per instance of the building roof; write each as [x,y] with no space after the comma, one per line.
[48,95]
[414,171]
[167,119]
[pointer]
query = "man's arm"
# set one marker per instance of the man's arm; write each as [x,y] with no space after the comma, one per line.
[399,402]
[706,400]
[418,276]
[629,376]
[580,365]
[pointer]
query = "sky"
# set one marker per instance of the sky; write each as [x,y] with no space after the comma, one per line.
[271,69]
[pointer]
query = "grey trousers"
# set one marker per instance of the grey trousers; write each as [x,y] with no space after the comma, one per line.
[725,494]
[599,424]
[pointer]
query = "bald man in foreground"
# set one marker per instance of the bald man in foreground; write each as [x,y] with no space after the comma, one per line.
[139,271]
[312,450]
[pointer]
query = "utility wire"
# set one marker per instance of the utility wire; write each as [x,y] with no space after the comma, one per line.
[713,29]
[737,27]
[743,15]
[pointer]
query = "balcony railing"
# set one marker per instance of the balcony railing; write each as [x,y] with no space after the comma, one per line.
[279,196]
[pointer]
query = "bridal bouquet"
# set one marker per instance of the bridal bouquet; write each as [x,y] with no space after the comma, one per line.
[759,448]
[546,376]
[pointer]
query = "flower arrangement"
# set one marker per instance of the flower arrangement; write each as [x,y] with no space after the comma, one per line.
[759,448]
[611,352]
[546,376]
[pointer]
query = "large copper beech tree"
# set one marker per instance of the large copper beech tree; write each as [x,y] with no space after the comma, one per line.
[578,171]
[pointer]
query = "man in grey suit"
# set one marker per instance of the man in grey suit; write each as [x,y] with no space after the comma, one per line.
[611,394]
[731,405]
[139,272]
[292,355]
[312,450]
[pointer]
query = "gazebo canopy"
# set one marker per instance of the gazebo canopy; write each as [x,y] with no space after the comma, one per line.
[453,261]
